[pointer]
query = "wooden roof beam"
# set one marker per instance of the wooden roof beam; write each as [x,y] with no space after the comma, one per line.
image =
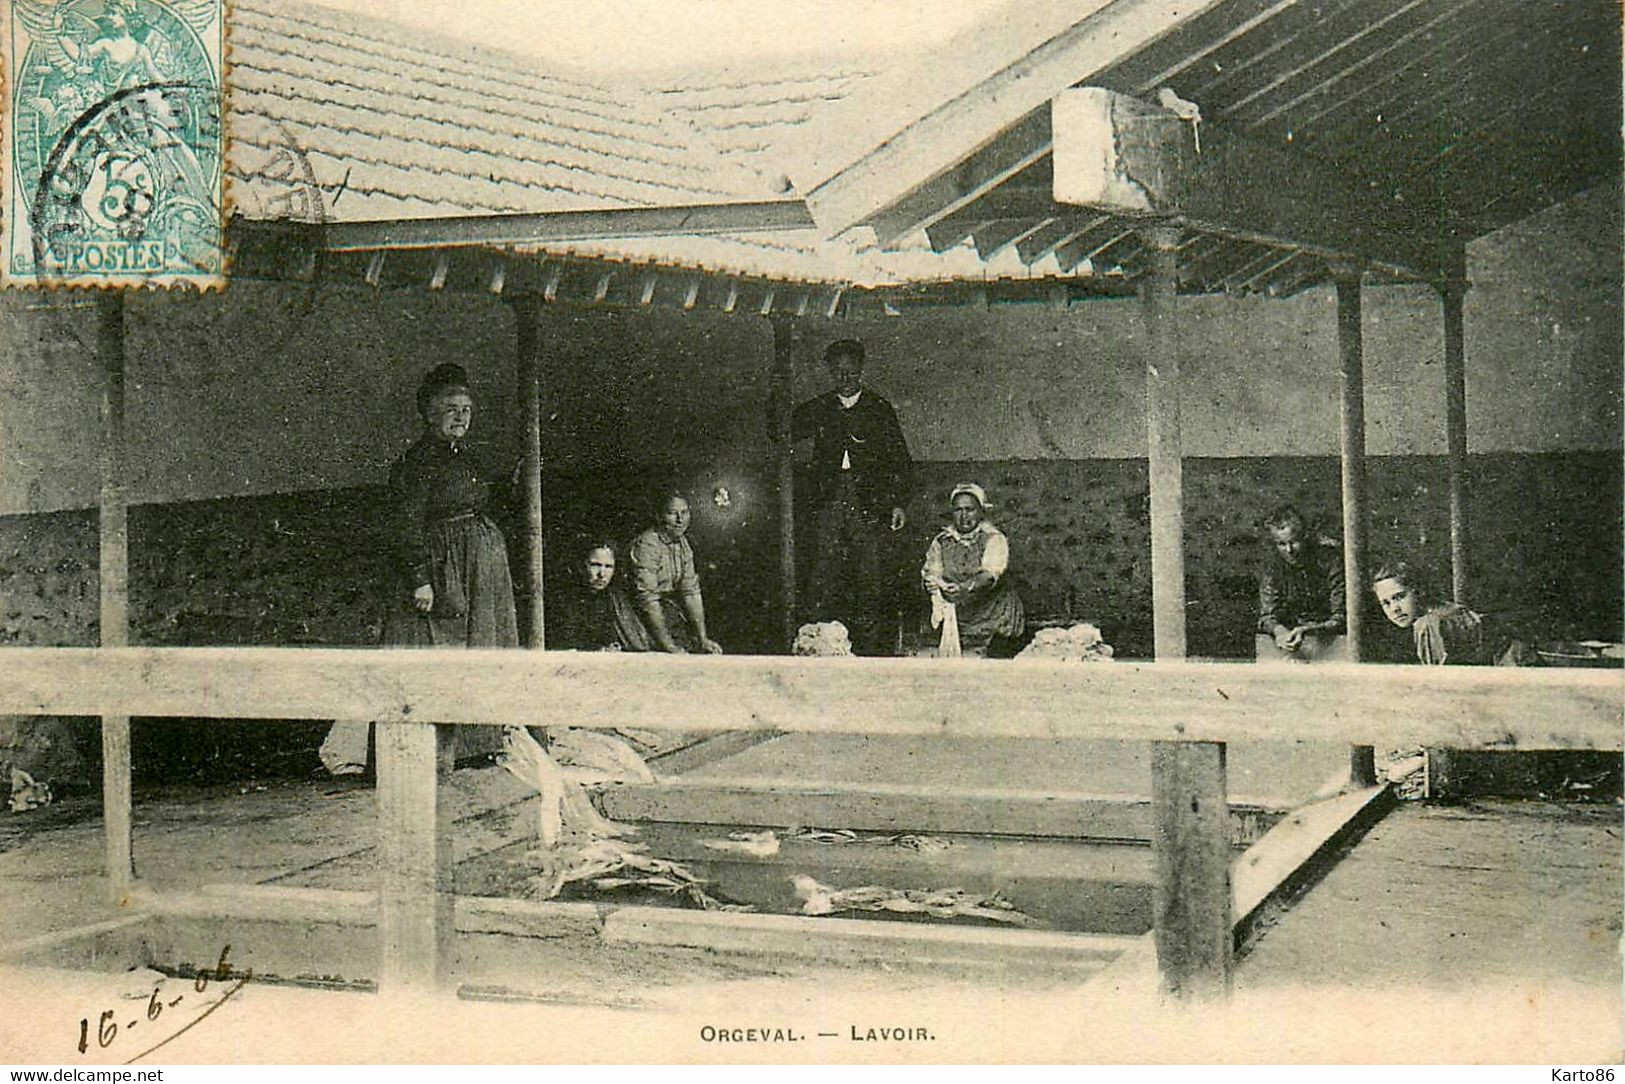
[893,146]
[556,226]
[994,237]
[1118,154]
[1035,246]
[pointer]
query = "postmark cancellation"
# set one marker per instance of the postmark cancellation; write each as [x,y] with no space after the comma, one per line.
[113,145]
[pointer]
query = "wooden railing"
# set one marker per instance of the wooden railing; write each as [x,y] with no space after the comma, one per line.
[1189,710]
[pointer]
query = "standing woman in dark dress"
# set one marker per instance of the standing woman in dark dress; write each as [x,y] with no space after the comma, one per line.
[449,584]
[452,585]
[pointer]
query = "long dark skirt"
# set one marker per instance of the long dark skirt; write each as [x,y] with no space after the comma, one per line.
[473,605]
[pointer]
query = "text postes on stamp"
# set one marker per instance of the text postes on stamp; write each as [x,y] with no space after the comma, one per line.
[113,155]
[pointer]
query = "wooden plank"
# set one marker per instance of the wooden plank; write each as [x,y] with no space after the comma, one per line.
[113,563]
[1460,707]
[47,948]
[783,412]
[1117,154]
[1164,453]
[528,364]
[708,750]
[268,903]
[1296,849]
[1455,417]
[1431,48]
[1191,844]
[339,907]
[900,138]
[1327,39]
[529,229]
[415,909]
[859,939]
[883,807]
[1135,67]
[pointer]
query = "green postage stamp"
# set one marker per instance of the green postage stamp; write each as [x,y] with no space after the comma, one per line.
[113,142]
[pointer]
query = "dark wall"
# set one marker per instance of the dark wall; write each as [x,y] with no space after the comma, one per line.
[310,568]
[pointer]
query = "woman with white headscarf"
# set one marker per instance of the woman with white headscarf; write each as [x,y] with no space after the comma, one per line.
[964,572]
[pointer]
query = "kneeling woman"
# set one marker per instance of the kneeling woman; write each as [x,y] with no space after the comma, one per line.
[665,585]
[964,572]
[598,616]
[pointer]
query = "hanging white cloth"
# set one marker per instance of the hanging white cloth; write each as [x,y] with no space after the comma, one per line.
[344,750]
[948,646]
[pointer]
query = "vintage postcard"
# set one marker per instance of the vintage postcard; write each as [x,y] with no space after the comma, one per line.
[811,531]
[114,142]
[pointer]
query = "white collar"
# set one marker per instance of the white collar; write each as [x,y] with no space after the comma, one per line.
[983,527]
[848,402]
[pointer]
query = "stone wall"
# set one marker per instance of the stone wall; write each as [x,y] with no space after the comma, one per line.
[308,568]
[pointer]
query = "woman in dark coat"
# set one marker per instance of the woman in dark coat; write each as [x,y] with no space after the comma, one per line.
[449,584]
[452,585]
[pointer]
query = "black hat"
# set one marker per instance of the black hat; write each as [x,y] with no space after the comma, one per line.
[443,376]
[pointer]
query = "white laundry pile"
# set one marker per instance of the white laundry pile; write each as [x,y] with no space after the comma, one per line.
[1080,643]
[27,793]
[823,639]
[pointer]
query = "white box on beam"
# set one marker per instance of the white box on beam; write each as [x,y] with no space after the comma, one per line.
[1117,154]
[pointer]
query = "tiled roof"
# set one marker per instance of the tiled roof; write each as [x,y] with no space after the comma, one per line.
[750,119]
[396,123]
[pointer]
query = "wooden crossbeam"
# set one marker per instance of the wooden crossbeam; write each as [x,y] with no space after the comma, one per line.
[1464,707]
[556,226]
[1114,153]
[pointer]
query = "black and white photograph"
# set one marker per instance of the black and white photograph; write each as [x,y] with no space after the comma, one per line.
[776,532]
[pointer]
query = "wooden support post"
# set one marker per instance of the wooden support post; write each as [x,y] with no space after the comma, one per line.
[784,374]
[415,921]
[1455,413]
[114,574]
[1190,839]
[528,366]
[1164,455]
[1351,452]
